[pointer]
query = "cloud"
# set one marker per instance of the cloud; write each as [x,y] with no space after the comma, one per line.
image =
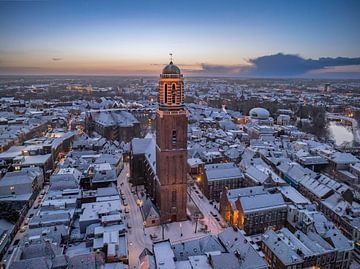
[56,59]
[204,69]
[280,65]
[283,65]
[222,69]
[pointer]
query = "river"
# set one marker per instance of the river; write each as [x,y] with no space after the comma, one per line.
[340,133]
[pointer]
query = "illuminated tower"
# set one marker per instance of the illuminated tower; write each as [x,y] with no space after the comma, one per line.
[171,145]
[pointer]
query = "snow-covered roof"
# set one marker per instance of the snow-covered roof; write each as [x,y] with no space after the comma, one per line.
[221,171]
[261,202]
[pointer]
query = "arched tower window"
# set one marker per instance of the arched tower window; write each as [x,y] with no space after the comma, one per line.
[181,93]
[173,138]
[165,94]
[173,94]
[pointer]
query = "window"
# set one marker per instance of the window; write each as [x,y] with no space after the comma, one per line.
[173,138]
[173,198]
[181,92]
[166,94]
[173,94]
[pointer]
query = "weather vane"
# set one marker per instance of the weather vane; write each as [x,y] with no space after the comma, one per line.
[171,56]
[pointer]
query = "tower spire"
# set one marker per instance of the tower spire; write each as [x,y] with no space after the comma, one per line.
[171,57]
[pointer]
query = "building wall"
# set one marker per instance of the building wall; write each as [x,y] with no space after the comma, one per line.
[215,187]
[258,222]
[137,169]
[171,164]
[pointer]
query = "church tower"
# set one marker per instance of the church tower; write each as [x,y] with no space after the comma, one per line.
[171,145]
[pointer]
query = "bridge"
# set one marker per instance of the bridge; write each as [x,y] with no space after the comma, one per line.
[353,150]
[127,109]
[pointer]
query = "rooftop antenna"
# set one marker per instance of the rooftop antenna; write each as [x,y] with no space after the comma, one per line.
[171,57]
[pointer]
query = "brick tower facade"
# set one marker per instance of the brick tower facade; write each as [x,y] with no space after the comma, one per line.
[171,146]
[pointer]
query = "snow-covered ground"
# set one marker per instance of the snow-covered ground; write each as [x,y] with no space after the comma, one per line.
[139,237]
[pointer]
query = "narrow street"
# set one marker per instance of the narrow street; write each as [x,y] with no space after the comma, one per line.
[136,235]
[20,234]
[206,208]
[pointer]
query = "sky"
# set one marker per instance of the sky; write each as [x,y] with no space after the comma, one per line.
[210,38]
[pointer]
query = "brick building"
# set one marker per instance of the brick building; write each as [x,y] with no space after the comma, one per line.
[113,124]
[253,209]
[160,164]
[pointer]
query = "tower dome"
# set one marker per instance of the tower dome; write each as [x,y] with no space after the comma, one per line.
[171,88]
[171,69]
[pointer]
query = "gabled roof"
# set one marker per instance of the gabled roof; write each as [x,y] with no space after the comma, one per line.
[282,250]
[235,193]
[209,243]
[149,209]
[260,202]
[221,171]
[255,174]
[235,241]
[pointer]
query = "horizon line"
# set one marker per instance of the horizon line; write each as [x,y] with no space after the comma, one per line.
[187,76]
